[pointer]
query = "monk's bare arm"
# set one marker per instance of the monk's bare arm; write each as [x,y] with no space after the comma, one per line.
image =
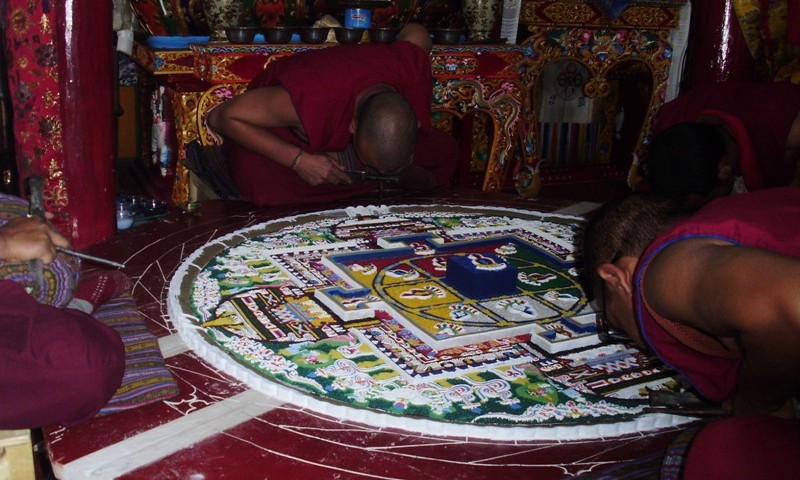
[768,322]
[418,35]
[741,294]
[247,119]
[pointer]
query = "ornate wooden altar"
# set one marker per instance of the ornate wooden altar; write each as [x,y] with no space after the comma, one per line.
[626,61]
[467,78]
[611,50]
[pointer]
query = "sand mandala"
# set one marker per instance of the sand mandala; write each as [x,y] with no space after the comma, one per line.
[445,320]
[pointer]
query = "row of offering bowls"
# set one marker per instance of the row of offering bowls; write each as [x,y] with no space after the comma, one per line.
[309,34]
[279,34]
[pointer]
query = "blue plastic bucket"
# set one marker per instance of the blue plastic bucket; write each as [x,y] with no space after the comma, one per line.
[357,18]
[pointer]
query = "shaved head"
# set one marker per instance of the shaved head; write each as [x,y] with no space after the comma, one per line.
[386,131]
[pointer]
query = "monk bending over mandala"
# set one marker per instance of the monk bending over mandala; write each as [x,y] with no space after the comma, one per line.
[314,124]
[723,138]
[715,295]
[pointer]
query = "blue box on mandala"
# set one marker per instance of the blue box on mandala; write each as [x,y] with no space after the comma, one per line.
[481,276]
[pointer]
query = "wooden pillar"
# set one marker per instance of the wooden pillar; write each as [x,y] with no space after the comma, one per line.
[717,48]
[59,55]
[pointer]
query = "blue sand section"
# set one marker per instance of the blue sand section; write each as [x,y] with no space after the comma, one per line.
[464,273]
[343,259]
[487,287]
[426,238]
[347,294]
[492,242]
[581,328]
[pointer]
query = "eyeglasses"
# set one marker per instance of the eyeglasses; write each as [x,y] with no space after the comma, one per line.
[605,332]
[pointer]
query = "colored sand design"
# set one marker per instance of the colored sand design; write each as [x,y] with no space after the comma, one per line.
[350,312]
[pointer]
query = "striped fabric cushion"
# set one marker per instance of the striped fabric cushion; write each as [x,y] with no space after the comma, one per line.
[58,278]
[146,379]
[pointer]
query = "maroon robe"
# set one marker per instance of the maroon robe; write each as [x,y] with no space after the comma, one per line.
[765,219]
[760,116]
[323,85]
[57,365]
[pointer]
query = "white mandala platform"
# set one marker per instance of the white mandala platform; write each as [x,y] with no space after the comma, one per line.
[353,313]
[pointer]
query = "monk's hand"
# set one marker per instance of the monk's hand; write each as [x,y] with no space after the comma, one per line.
[320,170]
[23,239]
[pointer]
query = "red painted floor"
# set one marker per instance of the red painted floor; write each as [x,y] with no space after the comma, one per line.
[219,429]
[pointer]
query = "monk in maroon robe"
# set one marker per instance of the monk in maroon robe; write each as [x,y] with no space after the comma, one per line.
[312,118]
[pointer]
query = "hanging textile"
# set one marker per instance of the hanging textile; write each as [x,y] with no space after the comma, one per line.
[771,29]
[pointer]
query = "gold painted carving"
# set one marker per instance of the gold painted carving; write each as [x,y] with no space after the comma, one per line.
[601,50]
[185,108]
[443,121]
[210,99]
[503,101]
[191,110]
[166,62]
[582,13]
[649,17]
[220,71]
[568,13]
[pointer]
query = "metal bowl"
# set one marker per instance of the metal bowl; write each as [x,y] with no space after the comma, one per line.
[382,35]
[348,34]
[448,36]
[154,207]
[314,34]
[241,34]
[279,34]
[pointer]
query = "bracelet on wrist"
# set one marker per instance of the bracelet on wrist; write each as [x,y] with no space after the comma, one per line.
[297,159]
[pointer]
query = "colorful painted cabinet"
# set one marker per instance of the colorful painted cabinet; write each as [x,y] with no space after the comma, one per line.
[616,69]
[467,78]
[606,78]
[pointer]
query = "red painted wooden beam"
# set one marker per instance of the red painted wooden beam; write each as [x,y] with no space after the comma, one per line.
[85,37]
